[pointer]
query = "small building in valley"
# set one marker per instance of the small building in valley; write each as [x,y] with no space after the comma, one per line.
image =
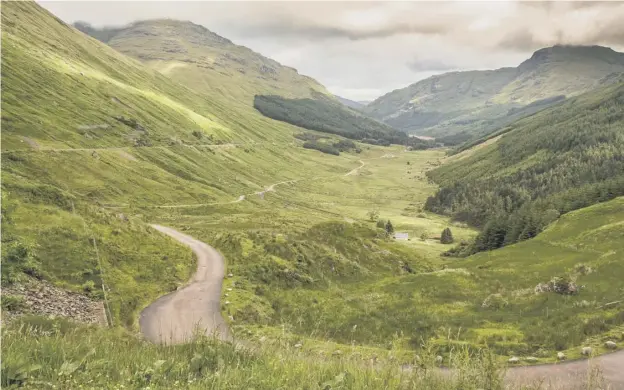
[400,236]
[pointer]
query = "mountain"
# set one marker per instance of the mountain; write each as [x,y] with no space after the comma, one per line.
[560,159]
[90,136]
[331,117]
[195,56]
[351,103]
[467,102]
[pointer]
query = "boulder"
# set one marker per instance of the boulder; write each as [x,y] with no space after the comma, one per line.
[611,345]
[439,359]
[531,359]
[513,360]
[586,351]
[561,356]
[298,345]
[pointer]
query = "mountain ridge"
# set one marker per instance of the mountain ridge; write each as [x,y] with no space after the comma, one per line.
[197,57]
[466,101]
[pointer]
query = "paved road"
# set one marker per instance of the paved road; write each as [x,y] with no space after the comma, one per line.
[173,318]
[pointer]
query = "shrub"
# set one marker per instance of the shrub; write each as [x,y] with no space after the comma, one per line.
[373,215]
[447,236]
[13,302]
[389,227]
[327,149]
[88,286]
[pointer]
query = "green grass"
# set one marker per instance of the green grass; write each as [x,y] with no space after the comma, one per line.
[308,265]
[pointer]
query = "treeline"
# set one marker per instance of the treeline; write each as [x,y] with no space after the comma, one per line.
[312,142]
[560,160]
[330,117]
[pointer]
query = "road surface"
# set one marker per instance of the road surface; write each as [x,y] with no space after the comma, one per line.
[173,318]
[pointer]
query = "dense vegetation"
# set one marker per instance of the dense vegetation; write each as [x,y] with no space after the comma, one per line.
[562,159]
[330,117]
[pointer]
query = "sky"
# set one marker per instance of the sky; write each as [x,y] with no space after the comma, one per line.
[362,50]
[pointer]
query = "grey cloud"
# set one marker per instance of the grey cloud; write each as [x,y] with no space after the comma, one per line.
[292,28]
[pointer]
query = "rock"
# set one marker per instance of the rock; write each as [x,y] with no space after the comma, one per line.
[229,289]
[531,359]
[611,345]
[337,352]
[262,339]
[561,356]
[227,302]
[230,275]
[231,318]
[298,345]
[439,359]
[586,351]
[513,360]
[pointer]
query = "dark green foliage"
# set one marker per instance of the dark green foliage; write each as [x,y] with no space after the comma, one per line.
[330,117]
[389,227]
[344,145]
[447,236]
[325,148]
[309,136]
[559,160]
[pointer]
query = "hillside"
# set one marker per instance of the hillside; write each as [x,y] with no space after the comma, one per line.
[97,146]
[193,55]
[327,116]
[351,103]
[561,159]
[474,102]
[138,138]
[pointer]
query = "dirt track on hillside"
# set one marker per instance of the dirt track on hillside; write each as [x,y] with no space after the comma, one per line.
[173,318]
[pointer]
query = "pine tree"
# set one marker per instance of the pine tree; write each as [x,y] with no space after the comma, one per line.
[447,236]
[389,227]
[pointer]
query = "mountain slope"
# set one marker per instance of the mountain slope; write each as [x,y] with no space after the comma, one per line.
[199,58]
[328,116]
[350,103]
[457,102]
[89,136]
[558,160]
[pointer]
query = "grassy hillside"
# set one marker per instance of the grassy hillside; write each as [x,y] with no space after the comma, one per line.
[559,160]
[484,301]
[137,137]
[471,102]
[96,145]
[195,56]
[331,117]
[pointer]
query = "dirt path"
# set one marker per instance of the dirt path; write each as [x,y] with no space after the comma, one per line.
[573,374]
[119,148]
[173,318]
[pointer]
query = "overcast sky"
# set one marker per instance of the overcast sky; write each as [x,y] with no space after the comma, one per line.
[361,50]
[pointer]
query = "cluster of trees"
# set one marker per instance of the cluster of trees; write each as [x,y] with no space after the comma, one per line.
[331,117]
[559,160]
[332,148]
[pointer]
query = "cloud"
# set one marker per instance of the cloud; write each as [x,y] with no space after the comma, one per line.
[361,48]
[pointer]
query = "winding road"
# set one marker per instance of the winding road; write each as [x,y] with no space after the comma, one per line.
[173,319]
